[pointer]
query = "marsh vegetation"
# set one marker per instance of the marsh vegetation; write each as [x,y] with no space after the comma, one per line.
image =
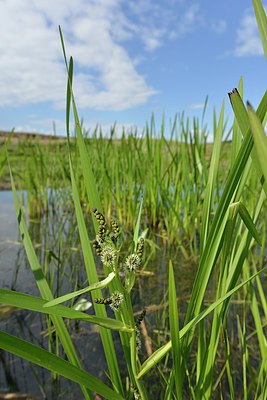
[148,256]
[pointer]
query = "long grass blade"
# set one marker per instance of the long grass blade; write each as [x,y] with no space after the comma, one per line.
[175,337]
[33,303]
[98,285]
[262,23]
[106,336]
[45,359]
[260,141]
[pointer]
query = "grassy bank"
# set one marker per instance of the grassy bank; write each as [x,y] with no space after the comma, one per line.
[169,168]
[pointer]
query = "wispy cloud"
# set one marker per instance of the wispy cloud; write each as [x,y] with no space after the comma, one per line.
[42,125]
[219,26]
[247,38]
[197,106]
[189,20]
[159,20]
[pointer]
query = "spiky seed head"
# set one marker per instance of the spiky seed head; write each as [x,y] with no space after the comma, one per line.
[132,262]
[108,256]
[98,300]
[95,243]
[141,317]
[140,247]
[99,239]
[138,339]
[97,246]
[103,300]
[99,217]
[114,225]
[117,299]
[101,230]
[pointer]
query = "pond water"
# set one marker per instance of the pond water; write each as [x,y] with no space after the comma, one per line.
[56,242]
[55,237]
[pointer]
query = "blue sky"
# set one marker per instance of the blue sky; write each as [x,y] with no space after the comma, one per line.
[131,58]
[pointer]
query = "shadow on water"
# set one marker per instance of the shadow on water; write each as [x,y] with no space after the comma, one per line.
[56,240]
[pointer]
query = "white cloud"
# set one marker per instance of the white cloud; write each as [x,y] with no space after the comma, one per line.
[248,42]
[189,20]
[32,68]
[42,125]
[197,106]
[106,75]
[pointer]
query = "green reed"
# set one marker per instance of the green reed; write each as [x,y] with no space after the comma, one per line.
[172,175]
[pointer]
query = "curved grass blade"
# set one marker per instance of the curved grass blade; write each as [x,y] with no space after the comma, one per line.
[92,276]
[32,303]
[89,178]
[246,218]
[262,23]
[94,201]
[98,285]
[260,141]
[137,225]
[175,337]
[209,191]
[50,361]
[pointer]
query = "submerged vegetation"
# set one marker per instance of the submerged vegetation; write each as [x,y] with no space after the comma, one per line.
[209,202]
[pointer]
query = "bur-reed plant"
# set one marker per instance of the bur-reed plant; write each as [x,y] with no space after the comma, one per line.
[228,229]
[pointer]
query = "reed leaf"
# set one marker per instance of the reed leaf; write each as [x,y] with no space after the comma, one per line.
[45,359]
[262,23]
[175,337]
[33,303]
[92,276]
[98,285]
[241,209]
[260,141]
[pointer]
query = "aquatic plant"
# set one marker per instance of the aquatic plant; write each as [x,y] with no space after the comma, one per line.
[229,229]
